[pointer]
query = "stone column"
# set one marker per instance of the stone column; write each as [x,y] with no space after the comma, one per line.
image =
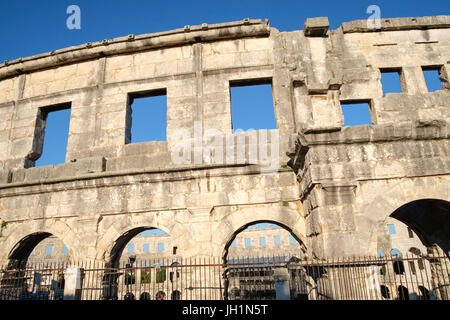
[282,287]
[373,282]
[414,82]
[72,286]
[37,279]
[439,272]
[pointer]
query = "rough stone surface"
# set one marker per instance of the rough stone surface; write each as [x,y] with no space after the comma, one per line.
[316,27]
[346,180]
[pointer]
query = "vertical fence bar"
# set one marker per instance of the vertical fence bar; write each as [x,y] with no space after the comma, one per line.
[347,281]
[361,277]
[408,272]
[445,261]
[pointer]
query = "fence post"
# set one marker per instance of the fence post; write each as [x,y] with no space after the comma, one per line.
[373,283]
[282,287]
[37,279]
[72,286]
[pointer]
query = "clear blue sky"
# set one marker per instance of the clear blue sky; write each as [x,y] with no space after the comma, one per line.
[33,27]
[37,26]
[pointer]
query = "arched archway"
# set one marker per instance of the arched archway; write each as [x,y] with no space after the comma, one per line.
[116,248]
[136,262]
[232,220]
[24,278]
[23,250]
[19,239]
[25,246]
[385,292]
[121,242]
[420,228]
[429,219]
[301,245]
[113,233]
[424,293]
[420,225]
[397,263]
[403,293]
[261,248]
[176,295]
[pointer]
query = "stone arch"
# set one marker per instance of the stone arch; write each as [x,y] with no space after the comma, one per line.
[402,293]
[20,240]
[121,231]
[424,293]
[429,219]
[175,295]
[120,243]
[391,200]
[240,218]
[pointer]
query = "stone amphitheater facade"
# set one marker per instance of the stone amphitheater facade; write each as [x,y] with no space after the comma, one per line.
[333,186]
[160,246]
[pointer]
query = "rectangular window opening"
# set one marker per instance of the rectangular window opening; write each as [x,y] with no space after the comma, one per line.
[391,81]
[160,246]
[277,240]
[420,263]
[262,241]
[146,247]
[356,113]
[410,233]
[49,249]
[412,267]
[146,116]
[51,135]
[248,242]
[391,229]
[252,104]
[131,248]
[432,78]
[65,250]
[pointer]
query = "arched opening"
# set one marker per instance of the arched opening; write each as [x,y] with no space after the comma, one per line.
[35,269]
[24,247]
[140,244]
[397,263]
[263,238]
[420,263]
[160,295]
[252,255]
[385,293]
[41,248]
[424,293]
[429,219]
[420,230]
[403,293]
[129,296]
[176,295]
[145,296]
[138,263]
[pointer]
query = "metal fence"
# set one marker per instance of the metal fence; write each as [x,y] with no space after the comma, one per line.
[406,277]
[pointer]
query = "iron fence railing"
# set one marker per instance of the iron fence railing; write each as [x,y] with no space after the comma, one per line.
[406,277]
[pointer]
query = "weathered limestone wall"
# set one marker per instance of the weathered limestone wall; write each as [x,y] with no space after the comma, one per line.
[355,177]
[346,181]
